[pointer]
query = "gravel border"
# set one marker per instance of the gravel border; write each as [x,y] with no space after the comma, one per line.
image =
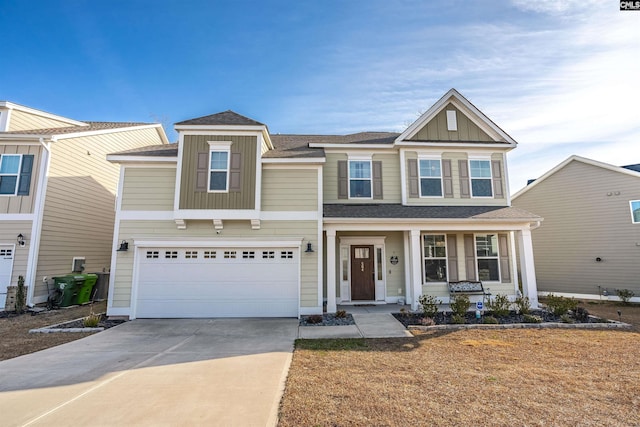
[551,325]
[61,328]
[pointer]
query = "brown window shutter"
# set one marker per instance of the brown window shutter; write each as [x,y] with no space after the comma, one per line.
[414,181]
[447,178]
[377,179]
[343,180]
[235,173]
[496,170]
[202,171]
[463,170]
[505,268]
[469,257]
[452,254]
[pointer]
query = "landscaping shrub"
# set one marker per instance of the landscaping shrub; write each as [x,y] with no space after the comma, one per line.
[92,320]
[625,295]
[528,318]
[458,320]
[490,320]
[561,305]
[427,321]
[314,319]
[341,314]
[499,306]
[523,305]
[581,314]
[429,305]
[21,296]
[460,305]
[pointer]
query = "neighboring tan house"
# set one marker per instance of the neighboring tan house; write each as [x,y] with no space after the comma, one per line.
[589,245]
[235,221]
[57,194]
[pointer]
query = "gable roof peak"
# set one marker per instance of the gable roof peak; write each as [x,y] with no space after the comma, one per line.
[228,118]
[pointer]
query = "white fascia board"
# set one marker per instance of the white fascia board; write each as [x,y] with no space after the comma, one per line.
[206,214]
[239,242]
[402,224]
[23,137]
[16,217]
[311,160]
[40,113]
[129,158]
[444,145]
[192,129]
[584,160]
[102,131]
[348,146]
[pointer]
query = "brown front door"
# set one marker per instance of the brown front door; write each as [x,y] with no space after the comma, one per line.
[362,283]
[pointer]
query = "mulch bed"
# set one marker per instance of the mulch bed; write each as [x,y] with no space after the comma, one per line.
[327,320]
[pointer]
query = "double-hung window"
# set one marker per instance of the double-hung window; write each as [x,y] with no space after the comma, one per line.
[9,173]
[430,178]
[487,257]
[635,211]
[480,173]
[435,257]
[219,153]
[360,179]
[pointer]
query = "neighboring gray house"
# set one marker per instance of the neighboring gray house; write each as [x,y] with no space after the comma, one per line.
[589,243]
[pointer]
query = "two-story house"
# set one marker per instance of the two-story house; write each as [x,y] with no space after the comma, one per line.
[236,221]
[57,194]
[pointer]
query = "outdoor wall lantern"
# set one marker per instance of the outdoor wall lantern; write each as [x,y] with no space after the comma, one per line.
[21,241]
[309,248]
[124,246]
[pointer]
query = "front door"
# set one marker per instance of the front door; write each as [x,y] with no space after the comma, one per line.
[362,275]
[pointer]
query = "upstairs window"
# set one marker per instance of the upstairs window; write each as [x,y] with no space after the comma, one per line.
[9,173]
[480,173]
[360,179]
[430,178]
[218,170]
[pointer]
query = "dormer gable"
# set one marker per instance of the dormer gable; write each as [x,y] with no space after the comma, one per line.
[15,117]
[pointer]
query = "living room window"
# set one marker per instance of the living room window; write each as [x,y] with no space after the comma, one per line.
[487,257]
[360,179]
[430,178]
[435,257]
[480,173]
[635,211]
[9,173]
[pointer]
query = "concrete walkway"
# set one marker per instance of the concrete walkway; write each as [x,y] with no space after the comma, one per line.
[227,372]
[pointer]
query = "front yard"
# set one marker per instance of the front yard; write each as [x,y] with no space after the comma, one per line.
[470,377]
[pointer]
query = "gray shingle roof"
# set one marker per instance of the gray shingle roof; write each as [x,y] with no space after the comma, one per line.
[353,138]
[164,150]
[224,118]
[633,167]
[290,146]
[91,126]
[398,211]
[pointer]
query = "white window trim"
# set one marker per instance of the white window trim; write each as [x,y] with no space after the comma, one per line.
[497,257]
[219,147]
[15,190]
[78,258]
[631,202]
[370,179]
[485,159]
[433,157]
[424,258]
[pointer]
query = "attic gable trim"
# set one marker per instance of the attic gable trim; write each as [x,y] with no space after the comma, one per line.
[13,106]
[116,158]
[576,158]
[418,144]
[253,128]
[458,101]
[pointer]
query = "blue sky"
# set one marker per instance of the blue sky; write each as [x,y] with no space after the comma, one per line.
[561,77]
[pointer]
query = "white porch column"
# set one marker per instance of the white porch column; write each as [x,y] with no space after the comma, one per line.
[408,288]
[331,271]
[527,269]
[416,270]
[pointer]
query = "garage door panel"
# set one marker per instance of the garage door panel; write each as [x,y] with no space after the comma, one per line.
[179,291]
[230,308]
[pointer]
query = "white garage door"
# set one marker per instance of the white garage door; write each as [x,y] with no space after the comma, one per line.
[6,264]
[217,282]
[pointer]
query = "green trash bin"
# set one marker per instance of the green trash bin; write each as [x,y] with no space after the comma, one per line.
[67,290]
[85,283]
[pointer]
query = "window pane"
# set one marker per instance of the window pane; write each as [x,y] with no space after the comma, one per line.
[430,168]
[218,181]
[379,258]
[359,170]
[361,253]
[635,211]
[480,168]
[481,188]
[219,160]
[487,246]
[434,246]
[435,270]
[8,184]
[430,187]
[9,164]
[360,188]
[488,269]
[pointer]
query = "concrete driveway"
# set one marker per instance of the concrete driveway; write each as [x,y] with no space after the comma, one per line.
[154,372]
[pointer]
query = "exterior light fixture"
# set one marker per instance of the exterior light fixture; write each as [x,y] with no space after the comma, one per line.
[21,241]
[124,246]
[309,248]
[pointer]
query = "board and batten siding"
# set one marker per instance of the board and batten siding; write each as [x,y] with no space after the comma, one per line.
[390,179]
[22,204]
[79,210]
[436,129]
[8,232]
[289,189]
[21,120]
[243,199]
[148,189]
[457,200]
[585,219]
[132,230]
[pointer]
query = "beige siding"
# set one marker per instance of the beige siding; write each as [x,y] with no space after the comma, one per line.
[79,210]
[457,200]
[289,189]
[148,189]
[21,120]
[9,230]
[244,199]
[581,223]
[132,230]
[22,204]
[390,179]
[436,129]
